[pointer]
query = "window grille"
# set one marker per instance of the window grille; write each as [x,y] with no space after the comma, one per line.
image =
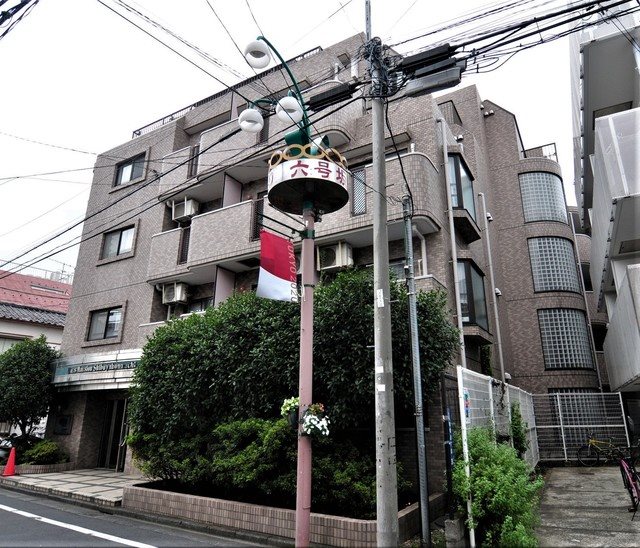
[258,210]
[542,197]
[358,193]
[565,339]
[185,237]
[553,265]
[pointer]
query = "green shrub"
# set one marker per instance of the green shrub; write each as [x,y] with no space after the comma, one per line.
[255,461]
[44,452]
[518,431]
[240,360]
[504,497]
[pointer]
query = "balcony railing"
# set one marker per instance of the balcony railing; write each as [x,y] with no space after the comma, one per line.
[545,151]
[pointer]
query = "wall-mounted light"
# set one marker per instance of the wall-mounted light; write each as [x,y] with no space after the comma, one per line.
[489,217]
[498,292]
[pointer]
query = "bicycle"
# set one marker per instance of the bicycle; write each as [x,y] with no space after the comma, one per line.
[590,454]
[631,481]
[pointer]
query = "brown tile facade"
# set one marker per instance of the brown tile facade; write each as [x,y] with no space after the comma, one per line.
[487,140]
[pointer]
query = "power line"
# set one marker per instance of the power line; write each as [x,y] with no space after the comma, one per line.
[151,203]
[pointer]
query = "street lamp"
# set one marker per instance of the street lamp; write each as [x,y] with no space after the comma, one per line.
[306,178]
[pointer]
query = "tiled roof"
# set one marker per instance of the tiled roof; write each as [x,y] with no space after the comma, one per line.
[33,292]
[31,315]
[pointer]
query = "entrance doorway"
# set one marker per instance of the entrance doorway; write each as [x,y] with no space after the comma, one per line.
[114,431]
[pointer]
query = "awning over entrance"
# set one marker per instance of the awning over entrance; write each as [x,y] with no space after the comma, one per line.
[102,371]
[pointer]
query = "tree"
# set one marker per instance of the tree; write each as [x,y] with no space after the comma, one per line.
[240,361]
[25,382]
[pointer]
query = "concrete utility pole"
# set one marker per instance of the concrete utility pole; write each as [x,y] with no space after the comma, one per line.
[386,474]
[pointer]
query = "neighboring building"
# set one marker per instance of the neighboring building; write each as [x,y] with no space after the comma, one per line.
[606,100]
[199,244]
[31,306]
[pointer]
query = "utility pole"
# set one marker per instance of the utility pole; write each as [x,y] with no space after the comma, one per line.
[386,473]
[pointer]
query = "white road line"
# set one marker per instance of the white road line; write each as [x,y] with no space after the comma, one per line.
[82,530]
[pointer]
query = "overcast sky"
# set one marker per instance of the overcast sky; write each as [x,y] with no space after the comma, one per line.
[76,75]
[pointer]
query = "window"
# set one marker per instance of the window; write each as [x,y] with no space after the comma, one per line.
[192,166]
[397,269]
[105,324]
[565,339]
[599,331]
[358,193]
[200,305]
[258,211]
[461,186]
[117,242]
[130,170]
[586,276]
[553,265]
[472,297]
[542,197]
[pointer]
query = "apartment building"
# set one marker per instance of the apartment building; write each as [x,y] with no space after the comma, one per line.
[174,229]
[605,66]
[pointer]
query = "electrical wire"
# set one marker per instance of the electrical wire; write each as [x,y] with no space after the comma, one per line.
[152,203]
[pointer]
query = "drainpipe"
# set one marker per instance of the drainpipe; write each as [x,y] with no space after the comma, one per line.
[492,281]
[452,233]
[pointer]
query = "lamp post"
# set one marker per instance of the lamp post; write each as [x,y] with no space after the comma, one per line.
[306,178]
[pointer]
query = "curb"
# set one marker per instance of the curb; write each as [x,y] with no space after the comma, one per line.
[116,508]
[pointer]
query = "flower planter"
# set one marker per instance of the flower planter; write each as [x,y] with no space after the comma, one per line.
[292,418]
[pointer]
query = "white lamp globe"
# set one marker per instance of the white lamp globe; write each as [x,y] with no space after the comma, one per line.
[250,120]
[289,110]
[257,54]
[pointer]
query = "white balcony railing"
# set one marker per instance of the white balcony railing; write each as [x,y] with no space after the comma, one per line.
[616,166]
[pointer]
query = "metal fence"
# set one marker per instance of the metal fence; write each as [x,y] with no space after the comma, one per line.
[564,421]
[488,402]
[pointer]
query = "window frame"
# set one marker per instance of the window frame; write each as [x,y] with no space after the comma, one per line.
[566,220]
[363,184]
[470,265]
[455,163]
[119,232]
[578,289]
[114,339]
[132,161]
[590,353]
[102,259]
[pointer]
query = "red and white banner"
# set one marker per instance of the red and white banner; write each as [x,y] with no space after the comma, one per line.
[277,278]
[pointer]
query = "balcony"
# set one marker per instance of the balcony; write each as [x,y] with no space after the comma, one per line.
[622,344]
[615,228]
[227,236]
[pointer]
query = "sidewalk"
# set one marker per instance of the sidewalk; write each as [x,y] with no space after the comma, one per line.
[586,507]
[95,486]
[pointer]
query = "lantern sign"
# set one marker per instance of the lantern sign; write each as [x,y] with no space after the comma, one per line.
[307,173]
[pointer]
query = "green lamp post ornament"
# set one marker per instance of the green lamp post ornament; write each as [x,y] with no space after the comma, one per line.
[305,178]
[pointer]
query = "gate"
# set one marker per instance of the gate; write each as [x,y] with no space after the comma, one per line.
[564,421]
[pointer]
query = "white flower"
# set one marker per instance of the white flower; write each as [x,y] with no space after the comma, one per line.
[312,424]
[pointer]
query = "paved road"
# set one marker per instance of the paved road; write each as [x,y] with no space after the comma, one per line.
[27,520]
[586,507]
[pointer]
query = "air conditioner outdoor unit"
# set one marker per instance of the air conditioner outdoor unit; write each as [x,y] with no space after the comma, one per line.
[333,257]
[174,292]
[184,209]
